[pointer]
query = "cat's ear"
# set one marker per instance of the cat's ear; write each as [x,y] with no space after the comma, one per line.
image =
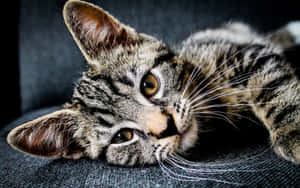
[51,135]
[96,31]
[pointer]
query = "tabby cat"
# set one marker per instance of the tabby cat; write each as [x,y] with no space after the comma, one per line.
[140,102]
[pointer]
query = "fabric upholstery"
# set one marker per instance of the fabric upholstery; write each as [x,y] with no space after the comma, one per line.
[265,169]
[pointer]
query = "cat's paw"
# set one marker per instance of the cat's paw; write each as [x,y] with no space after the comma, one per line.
[294,29]
[288,146]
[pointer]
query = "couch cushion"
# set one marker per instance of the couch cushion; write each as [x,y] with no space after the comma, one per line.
[254,165]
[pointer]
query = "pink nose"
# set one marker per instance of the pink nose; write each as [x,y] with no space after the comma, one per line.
[159,124]
[155,121]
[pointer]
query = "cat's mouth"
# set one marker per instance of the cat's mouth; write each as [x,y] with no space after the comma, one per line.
[187,137]
[186,131]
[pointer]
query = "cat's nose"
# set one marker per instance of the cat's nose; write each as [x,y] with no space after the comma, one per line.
[160,124]
[170,130]
[154,121]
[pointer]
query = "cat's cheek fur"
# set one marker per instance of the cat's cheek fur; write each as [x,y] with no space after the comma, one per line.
[125,154]
[189,138]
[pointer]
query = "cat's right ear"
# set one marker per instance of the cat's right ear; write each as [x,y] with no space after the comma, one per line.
[96,31]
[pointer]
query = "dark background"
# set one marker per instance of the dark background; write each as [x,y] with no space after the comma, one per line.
[41,63]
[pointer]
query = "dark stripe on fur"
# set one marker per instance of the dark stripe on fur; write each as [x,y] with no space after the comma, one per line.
[270,111]
[271,87]
[260,62]
[82,92]
[109,82]
[126,81]
[185,74]
[77,100]
[101,110]
[133,69]
[108,98]
[180,80]
[220,59]
[236,57]
[159,103]
[163,59]
[128,160]
[104,122]
[268,98]
[161,152]
[86,89]
[257,48]
[286,111]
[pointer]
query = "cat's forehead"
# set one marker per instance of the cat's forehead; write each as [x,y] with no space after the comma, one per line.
[138,58]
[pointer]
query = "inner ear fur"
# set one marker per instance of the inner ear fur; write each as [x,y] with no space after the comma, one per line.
[51,135]
[95,30]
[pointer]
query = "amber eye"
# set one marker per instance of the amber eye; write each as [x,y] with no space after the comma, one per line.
[149,85]
[123,135]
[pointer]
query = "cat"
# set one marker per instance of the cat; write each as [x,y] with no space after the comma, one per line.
[140,102]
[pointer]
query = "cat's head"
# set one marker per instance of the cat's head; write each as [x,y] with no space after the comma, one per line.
[129,106]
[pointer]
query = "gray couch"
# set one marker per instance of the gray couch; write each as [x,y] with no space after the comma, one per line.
[50,63]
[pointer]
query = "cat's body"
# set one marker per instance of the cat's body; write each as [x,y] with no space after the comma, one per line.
[139,102]
[249,73]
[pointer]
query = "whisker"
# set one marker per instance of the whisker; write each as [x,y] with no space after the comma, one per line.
[214,170]
[230,105]
[234,114]
[227,94]
[246,158]
[222,73]
[208,116]
[238,80]
[227,85]
[241,116]
[225,61]
[222,116]
[194,170]
[190,80]
[169,172]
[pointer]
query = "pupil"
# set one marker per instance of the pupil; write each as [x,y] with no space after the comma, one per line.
[148,84]
[121,136]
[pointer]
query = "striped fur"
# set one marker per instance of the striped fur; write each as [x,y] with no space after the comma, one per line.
[257,75]
[215,73]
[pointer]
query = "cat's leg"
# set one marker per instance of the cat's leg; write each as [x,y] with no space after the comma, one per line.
[287,36]
[277,104]
[283,117]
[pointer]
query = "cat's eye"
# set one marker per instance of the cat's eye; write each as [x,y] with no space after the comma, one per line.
[123,135]
[149,85]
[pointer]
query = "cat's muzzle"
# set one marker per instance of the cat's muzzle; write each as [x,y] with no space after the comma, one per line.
[171,129]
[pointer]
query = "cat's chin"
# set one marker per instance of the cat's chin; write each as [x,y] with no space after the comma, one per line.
[189,137]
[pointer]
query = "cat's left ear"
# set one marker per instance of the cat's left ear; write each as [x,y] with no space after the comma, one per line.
[51,135]
[96,31]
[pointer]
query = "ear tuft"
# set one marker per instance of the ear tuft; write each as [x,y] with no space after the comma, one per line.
[48,136]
